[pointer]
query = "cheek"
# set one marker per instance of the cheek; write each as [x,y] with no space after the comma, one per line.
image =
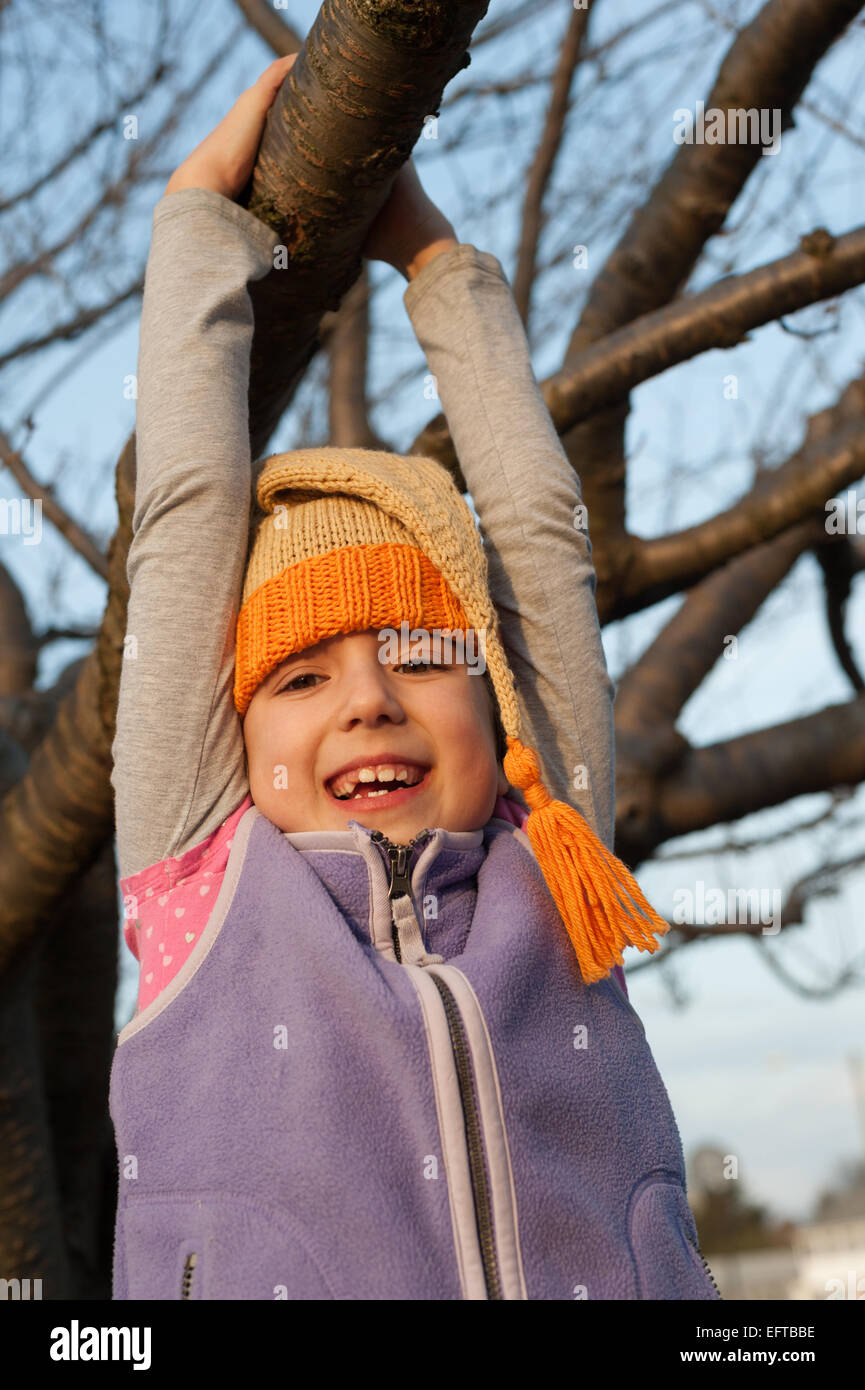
[277,750]
[466,719]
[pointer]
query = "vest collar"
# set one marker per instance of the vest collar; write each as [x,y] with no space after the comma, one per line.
[442,869]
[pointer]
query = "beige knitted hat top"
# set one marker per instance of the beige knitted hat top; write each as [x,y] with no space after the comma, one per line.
[353,539]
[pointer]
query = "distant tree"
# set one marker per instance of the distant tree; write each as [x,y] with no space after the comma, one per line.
[726,1221]
[847,1197]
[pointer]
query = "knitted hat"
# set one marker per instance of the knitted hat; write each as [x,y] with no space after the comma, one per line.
[352,539]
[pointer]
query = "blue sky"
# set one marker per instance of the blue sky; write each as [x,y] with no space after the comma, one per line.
[752,1067]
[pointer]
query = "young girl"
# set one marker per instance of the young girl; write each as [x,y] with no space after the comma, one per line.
[382,1047]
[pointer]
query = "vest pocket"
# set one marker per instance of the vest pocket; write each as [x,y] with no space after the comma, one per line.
[663,1241]
[221,1245]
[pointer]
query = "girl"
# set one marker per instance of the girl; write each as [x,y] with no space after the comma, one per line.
[382,1045]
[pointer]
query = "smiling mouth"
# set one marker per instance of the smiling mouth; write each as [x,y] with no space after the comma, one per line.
[376,781]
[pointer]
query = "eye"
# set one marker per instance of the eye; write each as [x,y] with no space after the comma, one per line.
[293,684]
[420,666]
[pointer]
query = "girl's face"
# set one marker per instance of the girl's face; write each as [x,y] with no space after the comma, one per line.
[336,706]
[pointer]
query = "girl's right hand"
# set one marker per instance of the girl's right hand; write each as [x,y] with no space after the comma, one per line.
[226,157]
[409,230]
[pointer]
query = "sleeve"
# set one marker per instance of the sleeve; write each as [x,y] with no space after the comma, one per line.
[178,757]
[526,493]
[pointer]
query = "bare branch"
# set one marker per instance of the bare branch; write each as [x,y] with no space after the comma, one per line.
[840,563]
[543,163]
[74,327]
[819,883]
[84,145]
[51,508]
[277,33]
[719,317]
[767,67]
[738,845]
[725,781]
[826,463]
[653,691]
[348,355]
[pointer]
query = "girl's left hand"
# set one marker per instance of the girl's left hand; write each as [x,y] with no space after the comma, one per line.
[226,158]
[409,229]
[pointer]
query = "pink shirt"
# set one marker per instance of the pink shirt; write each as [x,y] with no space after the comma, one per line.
[166,906]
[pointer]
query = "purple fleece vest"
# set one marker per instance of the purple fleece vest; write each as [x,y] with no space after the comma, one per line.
[302,1114]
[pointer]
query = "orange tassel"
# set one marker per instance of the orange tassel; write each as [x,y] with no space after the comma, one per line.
[597,895]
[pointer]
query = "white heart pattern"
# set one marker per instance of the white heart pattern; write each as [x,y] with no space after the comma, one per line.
[190,936]
[179,911]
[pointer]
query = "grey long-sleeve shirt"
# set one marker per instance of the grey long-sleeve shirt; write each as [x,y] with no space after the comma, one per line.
[179,766]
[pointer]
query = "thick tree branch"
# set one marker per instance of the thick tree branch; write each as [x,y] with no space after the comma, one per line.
[653,691]
[719,317]
[337,134]
[728,780]
[831,458]
[767,67]
[345,121]
[20,651]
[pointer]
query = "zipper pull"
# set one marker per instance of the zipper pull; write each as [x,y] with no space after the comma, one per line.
[399,878]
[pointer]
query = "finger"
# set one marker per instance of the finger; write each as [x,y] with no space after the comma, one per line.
[270,81]
[249,111]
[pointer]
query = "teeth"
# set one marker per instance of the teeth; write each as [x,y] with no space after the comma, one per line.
[344,786]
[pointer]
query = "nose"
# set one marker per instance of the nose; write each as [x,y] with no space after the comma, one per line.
[369,696]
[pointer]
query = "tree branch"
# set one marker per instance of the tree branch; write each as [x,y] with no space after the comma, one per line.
[718,317]
[725,781]
[840,563]
[348,354]
[653,691]
[543,163]
[767,66]
[51,508]
[336,136]
[831,458]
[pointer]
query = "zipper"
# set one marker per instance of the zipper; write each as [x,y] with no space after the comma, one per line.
[477,1166]
[400,880]
[400,884]
[703,1258]
[188,1271]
